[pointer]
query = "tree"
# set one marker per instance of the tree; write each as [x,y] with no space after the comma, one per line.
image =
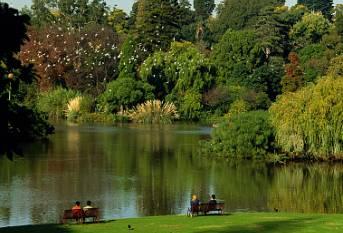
[309,30]
[325,6]
[238,14]
[118,19]
[309,121]
[83,59]
[180,75]
[339,18]
[124,93]
[41,13]
[187,21]
[17,122]
[336,68]
[314,61]
[248,135]
[72,13]
[235,56]
[293,80]
[157,24]
[272,33]
[203,8]
[133,16]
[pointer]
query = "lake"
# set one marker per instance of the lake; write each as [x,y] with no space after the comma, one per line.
[136,170]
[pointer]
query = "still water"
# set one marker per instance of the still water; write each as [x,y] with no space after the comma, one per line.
[132,170]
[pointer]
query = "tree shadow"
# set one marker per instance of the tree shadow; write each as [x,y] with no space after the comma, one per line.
[51,228]
[287,226]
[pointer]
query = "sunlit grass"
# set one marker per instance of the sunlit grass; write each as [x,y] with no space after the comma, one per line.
[231,223]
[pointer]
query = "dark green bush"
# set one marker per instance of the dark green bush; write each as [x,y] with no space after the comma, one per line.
[248,135]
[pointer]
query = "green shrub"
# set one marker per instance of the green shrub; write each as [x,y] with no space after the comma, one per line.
[87,104]
[248,135]
[54,103]
[101,118]
[123,93]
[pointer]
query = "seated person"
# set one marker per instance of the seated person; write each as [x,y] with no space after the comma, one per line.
[195,206]
[213,200]
[195,201]
[77,211]
[88,206]
[77,206]
[90,211]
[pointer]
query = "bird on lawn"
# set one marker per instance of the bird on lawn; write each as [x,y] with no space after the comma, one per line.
[276,209]
[129,227]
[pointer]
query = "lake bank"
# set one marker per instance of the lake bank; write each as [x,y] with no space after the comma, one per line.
[230,223]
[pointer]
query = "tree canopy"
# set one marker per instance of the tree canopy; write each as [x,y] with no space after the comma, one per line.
[17,121]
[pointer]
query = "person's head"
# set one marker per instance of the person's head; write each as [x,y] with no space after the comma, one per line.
[194,197]
[89,202]
[77,203]
[213,196]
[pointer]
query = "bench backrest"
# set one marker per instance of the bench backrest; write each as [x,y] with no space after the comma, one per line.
[211,206]
[91,212]
[69,214]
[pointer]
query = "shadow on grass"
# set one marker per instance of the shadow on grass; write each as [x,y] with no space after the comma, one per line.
[286,226]
[51,228]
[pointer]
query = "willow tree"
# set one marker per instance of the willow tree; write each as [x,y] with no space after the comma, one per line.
[180,75]
[310,121]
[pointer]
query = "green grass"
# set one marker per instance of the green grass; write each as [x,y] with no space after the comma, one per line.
[235,223]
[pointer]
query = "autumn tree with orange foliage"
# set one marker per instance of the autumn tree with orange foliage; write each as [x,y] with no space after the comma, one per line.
[293,80]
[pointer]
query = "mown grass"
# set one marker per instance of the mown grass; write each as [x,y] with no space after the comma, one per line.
[231,223]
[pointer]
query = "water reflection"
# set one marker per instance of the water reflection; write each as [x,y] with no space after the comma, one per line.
[135,170]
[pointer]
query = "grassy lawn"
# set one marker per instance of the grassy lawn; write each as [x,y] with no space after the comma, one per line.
[235,223]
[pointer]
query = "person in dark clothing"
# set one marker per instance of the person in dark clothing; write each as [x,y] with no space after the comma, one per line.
[213,200]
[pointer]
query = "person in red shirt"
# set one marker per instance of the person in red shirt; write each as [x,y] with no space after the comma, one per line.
[77,212]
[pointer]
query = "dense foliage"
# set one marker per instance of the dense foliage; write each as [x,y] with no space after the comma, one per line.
[17,122]
[94,63]
[247,135]
[310,121]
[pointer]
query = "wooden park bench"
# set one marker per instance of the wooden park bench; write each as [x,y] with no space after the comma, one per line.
[210,207]
[80,216]
[206,208]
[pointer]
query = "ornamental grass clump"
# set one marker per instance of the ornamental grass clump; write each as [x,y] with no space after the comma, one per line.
[154,112]
[73,108]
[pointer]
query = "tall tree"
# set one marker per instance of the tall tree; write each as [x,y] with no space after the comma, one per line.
[69,12]
[157,24]
[325,6]
[17,122]
[118,19]
[203,8]
[238,14]
[339,18]
[293,80]
[84,59]
[272,33]
[310,29]
[41,13]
